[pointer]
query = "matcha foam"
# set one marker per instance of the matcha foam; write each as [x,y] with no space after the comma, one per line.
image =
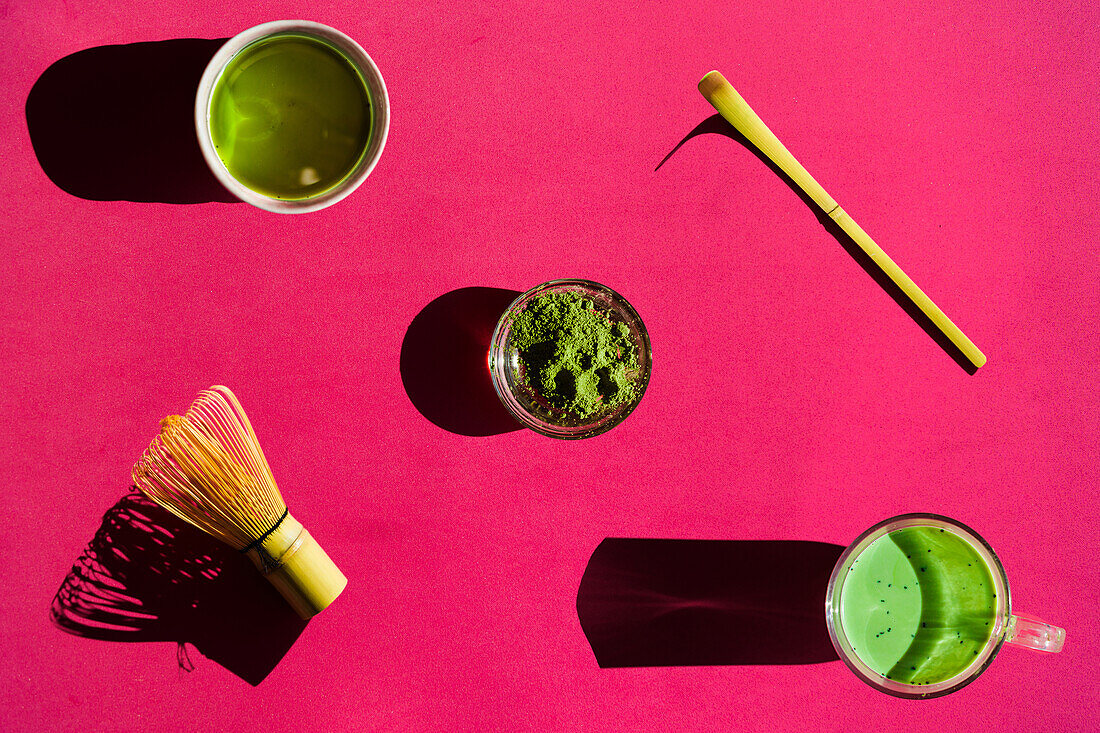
[918,605]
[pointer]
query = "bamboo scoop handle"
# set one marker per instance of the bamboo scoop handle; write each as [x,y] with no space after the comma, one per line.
[738,113]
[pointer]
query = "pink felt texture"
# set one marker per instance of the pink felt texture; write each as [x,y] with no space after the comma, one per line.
[791,397]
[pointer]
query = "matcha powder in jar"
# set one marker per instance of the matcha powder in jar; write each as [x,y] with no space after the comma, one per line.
[577,359]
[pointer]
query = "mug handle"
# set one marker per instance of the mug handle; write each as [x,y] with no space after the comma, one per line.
[1030,632]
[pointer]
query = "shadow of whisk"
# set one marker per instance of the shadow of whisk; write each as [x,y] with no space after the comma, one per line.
[148,576]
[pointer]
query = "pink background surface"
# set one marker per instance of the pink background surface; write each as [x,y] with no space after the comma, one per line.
[791,398]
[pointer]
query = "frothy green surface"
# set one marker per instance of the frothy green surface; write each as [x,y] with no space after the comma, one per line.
[918,605]
[290,117]
[881,605]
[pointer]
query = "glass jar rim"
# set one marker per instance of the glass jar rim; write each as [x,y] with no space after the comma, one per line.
[499,371]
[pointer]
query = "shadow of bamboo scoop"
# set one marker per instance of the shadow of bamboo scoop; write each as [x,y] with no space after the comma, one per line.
[737,112]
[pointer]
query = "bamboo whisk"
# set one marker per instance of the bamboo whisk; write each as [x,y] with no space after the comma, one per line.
[207,468]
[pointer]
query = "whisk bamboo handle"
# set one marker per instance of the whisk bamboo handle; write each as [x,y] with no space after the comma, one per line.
[299,568]
[737,112]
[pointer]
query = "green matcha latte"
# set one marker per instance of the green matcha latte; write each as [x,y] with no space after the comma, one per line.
[918,605]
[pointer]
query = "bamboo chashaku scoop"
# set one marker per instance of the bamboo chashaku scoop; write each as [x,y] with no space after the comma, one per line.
[207,468]
[738,113]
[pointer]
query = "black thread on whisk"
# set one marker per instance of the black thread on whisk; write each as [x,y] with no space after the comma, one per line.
[259,540]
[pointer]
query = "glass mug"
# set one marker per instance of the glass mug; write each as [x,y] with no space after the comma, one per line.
[919,605]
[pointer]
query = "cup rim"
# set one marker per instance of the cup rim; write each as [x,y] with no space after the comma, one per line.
[996,637]
[497,368]
[372,77]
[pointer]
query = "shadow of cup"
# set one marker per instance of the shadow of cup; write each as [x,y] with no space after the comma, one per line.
[661,603]
[147,575]
[117,123]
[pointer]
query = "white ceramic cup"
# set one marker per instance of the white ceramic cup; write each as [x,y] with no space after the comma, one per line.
[354,53]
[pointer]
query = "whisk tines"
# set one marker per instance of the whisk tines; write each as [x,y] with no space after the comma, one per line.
[207,468]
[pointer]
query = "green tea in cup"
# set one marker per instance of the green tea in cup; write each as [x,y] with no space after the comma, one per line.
[919,605]
[292,116]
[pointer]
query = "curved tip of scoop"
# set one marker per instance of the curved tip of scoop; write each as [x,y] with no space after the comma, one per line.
[711,81]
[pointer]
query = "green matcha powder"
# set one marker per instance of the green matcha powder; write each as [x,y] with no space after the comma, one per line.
[573,356]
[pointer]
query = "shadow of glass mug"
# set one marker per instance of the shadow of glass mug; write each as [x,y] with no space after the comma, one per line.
[291,116]
[919,605]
